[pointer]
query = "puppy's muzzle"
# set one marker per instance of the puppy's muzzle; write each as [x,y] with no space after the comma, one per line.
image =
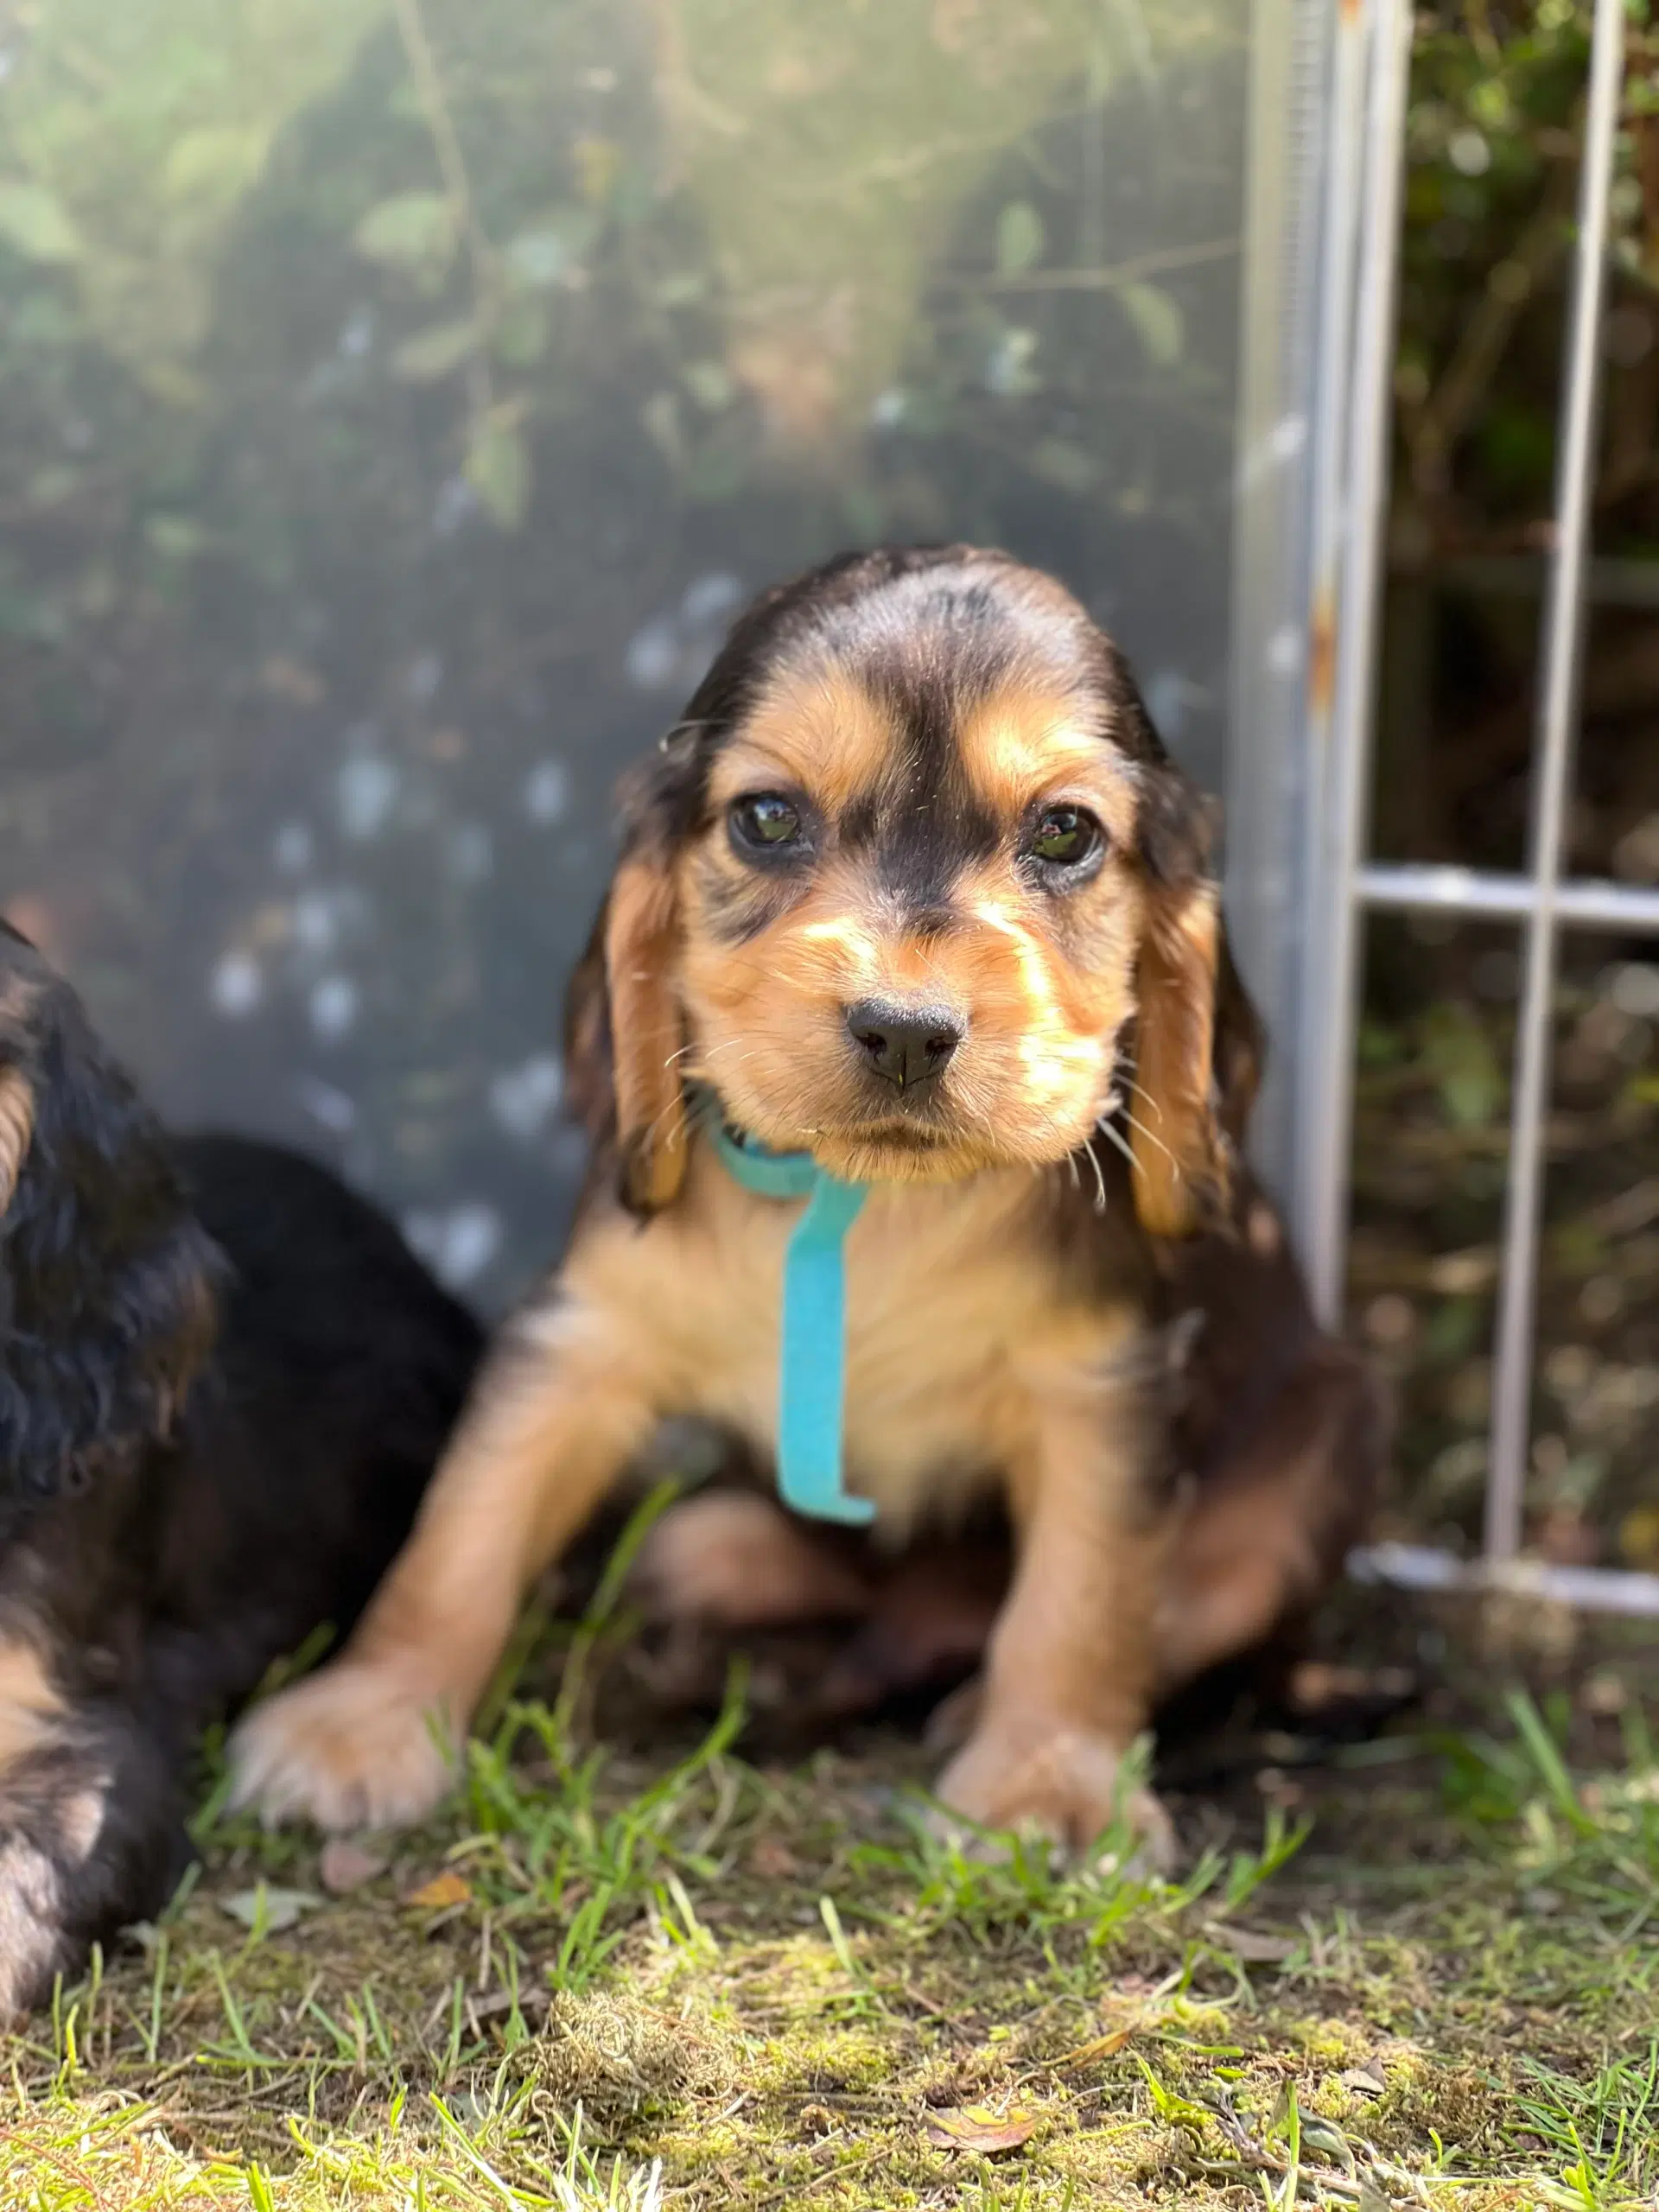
[905,1045]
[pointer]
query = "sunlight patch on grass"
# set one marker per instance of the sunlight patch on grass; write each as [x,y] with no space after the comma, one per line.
[64,2154]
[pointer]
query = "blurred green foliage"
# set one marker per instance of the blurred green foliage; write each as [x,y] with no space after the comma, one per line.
[396,397]
[1495,128]
[763,198]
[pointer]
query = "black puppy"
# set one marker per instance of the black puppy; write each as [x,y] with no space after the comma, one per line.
[224,1382]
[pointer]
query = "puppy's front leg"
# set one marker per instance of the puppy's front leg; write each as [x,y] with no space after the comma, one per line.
[1069,1669]
[562,1406]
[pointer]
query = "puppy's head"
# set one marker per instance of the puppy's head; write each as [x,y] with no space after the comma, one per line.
[914,887]
[106,1281]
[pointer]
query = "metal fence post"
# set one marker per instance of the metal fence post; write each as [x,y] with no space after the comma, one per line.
[1351,494]
[1551,768]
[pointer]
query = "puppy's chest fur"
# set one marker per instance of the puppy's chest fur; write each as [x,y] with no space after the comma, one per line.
[963,1324]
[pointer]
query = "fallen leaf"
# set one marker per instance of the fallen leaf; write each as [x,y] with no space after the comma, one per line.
[269,1909]
[1100,2047]
[976,2127]
[1326,2141]
[444,1889]
[345,1865]
[1365,2081]
[1256,1946]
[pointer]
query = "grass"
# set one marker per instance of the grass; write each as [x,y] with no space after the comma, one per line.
[673,1977]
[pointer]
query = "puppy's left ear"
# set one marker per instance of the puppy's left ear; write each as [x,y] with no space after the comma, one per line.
[1198,1039]
[1178,1155]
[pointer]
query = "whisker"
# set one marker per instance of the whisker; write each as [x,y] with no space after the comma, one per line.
[1130,1081]
[654,1126]
[1152,1137]
[1114,1135]
[711,1052]
[1099,1179]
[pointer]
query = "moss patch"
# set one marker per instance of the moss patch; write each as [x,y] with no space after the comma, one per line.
[672,1979]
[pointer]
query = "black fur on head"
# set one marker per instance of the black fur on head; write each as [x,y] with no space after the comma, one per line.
[107,1282]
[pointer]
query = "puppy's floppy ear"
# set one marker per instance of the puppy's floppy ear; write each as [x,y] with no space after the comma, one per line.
[624,1035]
[1174,1136]
[647,1034]
[1199,1042]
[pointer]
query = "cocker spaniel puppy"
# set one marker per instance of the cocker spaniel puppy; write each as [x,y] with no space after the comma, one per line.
[914,918]
[224,1383]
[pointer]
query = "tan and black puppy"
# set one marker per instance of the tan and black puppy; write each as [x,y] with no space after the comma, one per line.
[913,887]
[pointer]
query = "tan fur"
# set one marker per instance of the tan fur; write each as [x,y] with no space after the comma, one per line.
[1172,1136]
[732,1559]
[766,1018]
[962,1347]
[646,1035]
[1026,739]
[16,1130]
[29,1706]
[1068,1677]
[814,729]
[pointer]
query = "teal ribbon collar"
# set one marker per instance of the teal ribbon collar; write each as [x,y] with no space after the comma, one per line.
[812,1365]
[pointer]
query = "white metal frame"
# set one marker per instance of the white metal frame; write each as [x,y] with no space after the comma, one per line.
[1302,894]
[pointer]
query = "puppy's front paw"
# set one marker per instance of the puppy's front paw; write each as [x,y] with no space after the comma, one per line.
[1061,1782]
[355,1746]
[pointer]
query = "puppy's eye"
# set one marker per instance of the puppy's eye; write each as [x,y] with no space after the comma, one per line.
[1064,836]
[766,821]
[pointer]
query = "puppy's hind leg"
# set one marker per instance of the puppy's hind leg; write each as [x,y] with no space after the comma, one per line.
[731,1559]
[371,1739]
[726,1566]
[1269,1529]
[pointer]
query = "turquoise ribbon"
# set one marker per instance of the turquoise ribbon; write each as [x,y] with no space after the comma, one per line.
[812,1368]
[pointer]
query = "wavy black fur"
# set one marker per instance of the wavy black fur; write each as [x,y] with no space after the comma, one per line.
[224,1382]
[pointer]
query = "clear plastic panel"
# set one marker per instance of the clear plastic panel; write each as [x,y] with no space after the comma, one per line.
[397,400]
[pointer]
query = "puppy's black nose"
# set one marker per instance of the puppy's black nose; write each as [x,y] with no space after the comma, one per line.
[908,1044]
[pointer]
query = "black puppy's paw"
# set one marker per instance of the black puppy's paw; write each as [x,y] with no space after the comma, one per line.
[92,1838]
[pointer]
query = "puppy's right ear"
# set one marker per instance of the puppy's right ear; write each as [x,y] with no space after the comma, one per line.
[624,1035]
